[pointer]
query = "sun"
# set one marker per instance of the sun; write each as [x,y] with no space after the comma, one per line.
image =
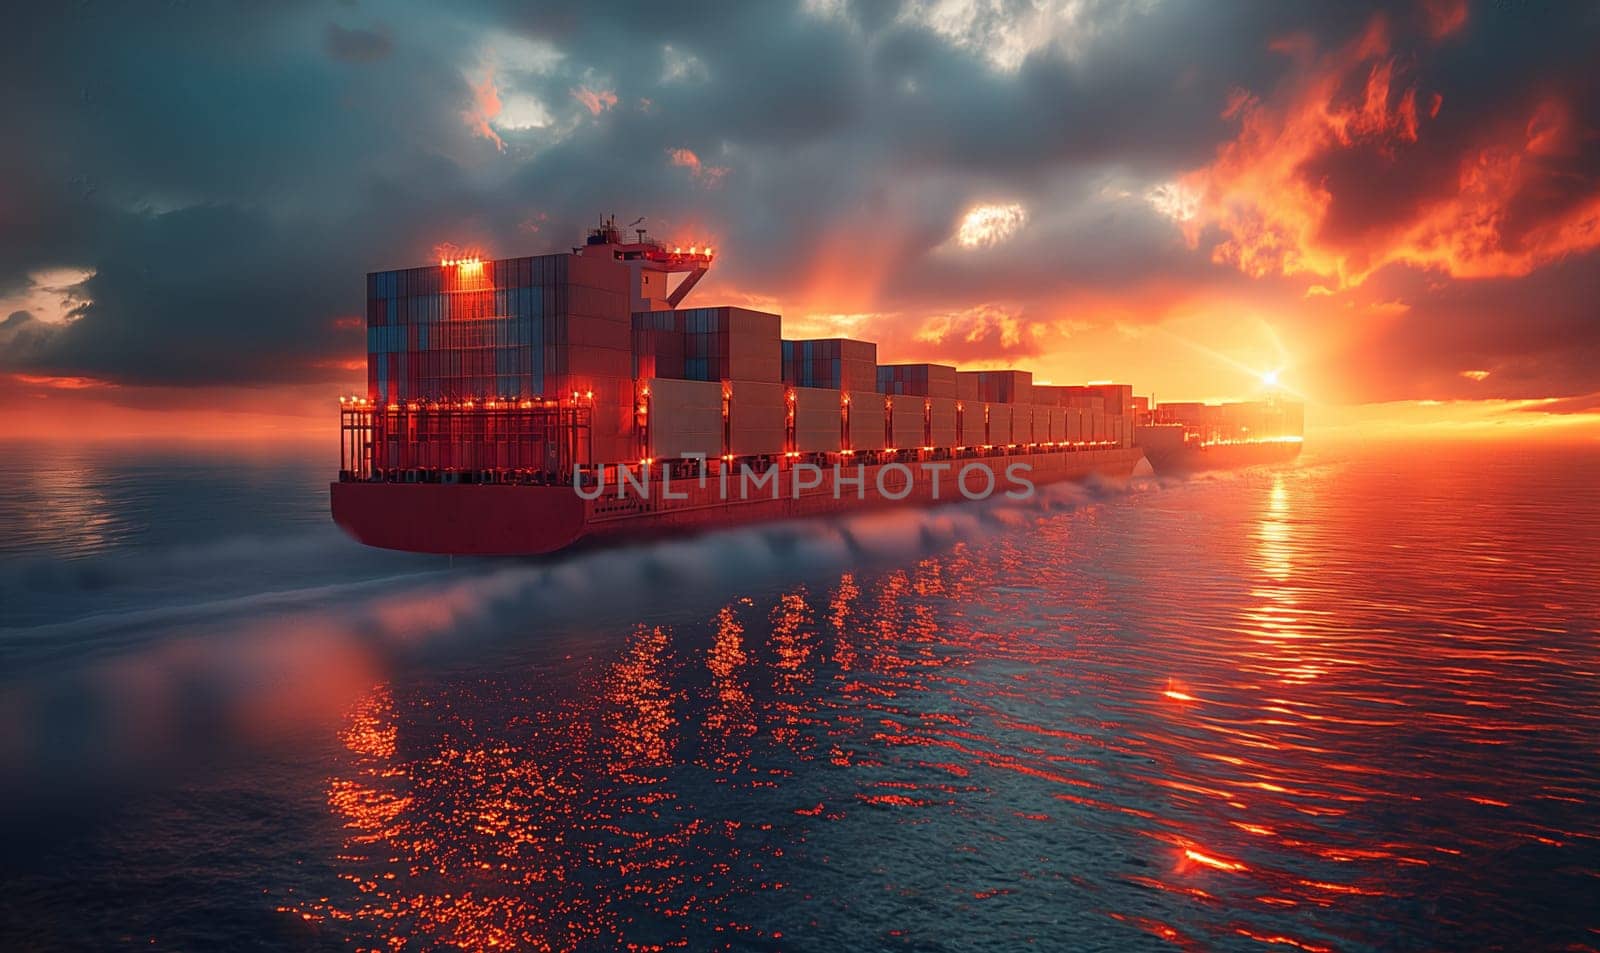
[1270,378]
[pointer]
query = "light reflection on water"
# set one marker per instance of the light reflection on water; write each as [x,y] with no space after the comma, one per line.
[1340,706]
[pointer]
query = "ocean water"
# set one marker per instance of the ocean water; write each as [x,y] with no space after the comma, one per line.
[1349,704]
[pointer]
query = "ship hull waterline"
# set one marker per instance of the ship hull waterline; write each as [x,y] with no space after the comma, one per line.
[519,520]
[1222,456]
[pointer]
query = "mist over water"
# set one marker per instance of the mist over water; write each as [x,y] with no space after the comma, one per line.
[1349,704]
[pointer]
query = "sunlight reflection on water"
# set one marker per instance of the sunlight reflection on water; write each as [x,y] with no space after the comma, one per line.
[1339,706]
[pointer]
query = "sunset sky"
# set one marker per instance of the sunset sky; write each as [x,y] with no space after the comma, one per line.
[1397,209]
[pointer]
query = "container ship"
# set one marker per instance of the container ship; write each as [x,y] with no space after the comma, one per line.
[521,406]
[1191,437]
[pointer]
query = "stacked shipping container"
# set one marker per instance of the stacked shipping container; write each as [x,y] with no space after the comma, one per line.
[554,334]
[1000,387]
[1242,421]
[922,380]
[832,363]
[553,326]
[708,344]
[467,331]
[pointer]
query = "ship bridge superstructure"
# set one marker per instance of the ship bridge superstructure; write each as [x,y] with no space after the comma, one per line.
[652,264]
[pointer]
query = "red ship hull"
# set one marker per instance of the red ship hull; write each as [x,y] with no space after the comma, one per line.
[516,520]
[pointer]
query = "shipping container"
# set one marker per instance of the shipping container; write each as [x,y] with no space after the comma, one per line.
[967,388]
[1117,398]
[1001,387]
[684,419]
[1075,429]
[866,422]
[1050,395]
[908,423]
[921,380]
[758,413]
[833,363]
[818,419]
[522,329]
[1000,421]
[716,344]
[1022,424]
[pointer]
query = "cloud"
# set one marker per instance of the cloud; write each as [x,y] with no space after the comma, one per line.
[679,66]
[356,45]
[60,383]
[596,101]
[982,333]
[987,225]
[1581,404]
[1444,17]
[1341,171]
[50,296]
[21,336]
[485,108]
[705,174]
[229,178]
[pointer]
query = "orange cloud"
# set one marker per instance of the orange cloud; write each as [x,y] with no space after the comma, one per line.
[1293,193]
[982,332]
[707,175]
[485,106]
[1444,17]
[596,101]
[60,383]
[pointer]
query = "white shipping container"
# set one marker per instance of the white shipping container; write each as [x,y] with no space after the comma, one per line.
[758,413]
[907,423]
[816,419]
[866,421]
[685,418]
[1075,425]
[1058,424]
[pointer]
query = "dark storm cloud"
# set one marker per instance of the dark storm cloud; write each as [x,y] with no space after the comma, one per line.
[1534,338]
[357,45]
[228,174]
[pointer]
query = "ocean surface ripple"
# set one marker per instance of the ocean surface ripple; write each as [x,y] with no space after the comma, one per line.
[1345,705]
